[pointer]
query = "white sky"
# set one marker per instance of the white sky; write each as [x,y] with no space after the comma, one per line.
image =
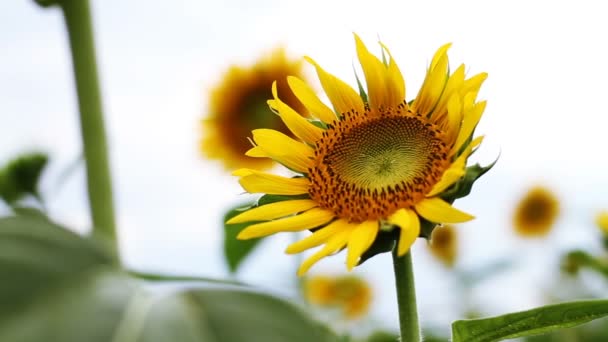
[157,59]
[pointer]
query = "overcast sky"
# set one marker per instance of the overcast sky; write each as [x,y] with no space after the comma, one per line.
[546,116]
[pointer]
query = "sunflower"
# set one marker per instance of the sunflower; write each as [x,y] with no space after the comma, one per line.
[351,294]
[238,105]
[375,162]
[536,212]
[444,244]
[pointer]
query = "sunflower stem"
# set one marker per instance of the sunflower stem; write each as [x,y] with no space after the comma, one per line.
[406,297]
[79,28]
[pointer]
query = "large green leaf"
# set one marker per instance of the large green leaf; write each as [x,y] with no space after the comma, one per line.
[531,322]
[58,286]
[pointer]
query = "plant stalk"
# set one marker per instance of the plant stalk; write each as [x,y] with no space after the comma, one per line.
[77,16]
[406,297]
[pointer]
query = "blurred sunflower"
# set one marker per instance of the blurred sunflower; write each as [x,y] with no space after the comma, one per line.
[349,293]
[375,161]
[536,212]
[238,105]
[602,221]
[444,244]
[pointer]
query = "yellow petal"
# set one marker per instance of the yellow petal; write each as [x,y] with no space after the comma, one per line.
[470,119]
[474,83]
[375,77]
[434,83]
[453,86]
[285,150]
[307,220]
[342,96]
[454,117]
[310,100]
[320,236]
[257,152]
[360,240]
[261,182]
[449,177]
[439,211]
[334,244]
[273,210]
[397,83]
[408,222]
[300,127]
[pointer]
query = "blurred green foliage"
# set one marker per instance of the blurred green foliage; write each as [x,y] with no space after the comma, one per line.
[19,178]
[58,286]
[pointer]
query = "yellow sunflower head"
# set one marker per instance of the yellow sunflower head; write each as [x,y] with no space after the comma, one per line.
[237,105]
[602,221]
[373,166]
[444,244]
[351,294]
[536,212]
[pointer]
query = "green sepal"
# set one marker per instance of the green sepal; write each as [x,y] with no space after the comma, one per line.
[385,241]
[268,199]
[318,123]
[20,176]
[362,92]
[463,187]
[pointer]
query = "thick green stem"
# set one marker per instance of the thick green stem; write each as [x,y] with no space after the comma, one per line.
[78,22]
[406,297]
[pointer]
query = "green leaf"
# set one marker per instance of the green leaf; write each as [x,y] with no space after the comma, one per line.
[58,286]
[20,176]
[236,251]
[531,322]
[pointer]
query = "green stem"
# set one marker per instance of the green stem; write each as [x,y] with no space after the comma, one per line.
[78,22]
[406,297]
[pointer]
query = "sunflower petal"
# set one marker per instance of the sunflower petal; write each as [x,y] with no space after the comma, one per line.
[310,100]
[454,117]
[434,83]
[474,83]
[452,88]
[300,127]
[408,222]
[273,210]
[285,150]
[376,78]
[342,96]
[397,83]
[257,152]
[470,120]
[261,182]
[437,210]
[334,244]
[359,241]
[449,177]
[309,219]
[320,236]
